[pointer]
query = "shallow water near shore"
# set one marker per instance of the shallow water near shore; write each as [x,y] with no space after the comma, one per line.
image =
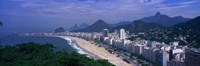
[73,43]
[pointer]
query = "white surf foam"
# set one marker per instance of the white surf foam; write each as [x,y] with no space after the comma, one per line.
[72,43]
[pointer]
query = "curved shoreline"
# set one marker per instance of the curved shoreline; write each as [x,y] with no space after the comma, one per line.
[98,51]
[88,52]
[73,43]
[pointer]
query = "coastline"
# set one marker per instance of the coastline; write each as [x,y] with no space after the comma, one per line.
[73,44]
[98,52]
[87,52]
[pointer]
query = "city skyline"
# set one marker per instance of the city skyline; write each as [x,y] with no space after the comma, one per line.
[132,52]
[99,32]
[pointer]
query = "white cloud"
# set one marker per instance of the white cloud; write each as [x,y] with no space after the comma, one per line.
[170,8]
[152,1]
[188,2]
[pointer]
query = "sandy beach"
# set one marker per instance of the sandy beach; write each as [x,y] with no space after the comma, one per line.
[98,51]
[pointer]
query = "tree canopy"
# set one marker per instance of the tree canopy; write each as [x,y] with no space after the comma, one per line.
[33,54]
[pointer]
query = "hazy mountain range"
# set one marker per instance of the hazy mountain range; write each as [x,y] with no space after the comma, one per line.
[59,30]
[77,27]
[98,26]
[119,24]
[164,19]
[138,26]
[157,21]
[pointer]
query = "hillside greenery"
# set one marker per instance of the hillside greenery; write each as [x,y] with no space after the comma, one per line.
[33,54]
[139,26]
[187,33]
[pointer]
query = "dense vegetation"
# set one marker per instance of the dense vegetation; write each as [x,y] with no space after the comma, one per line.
[186,33]
[33,54]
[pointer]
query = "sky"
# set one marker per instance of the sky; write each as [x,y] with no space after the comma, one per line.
[47,15]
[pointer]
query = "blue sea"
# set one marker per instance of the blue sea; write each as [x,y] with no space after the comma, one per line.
[59,43]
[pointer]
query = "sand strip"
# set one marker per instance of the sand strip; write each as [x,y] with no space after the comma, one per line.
[99,51]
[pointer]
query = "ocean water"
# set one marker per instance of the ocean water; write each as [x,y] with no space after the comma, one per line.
[59,43]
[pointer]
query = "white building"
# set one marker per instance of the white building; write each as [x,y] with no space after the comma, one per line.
[122,34]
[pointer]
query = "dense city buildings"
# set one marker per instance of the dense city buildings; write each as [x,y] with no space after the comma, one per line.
[192,57]
[175,63]
[161,54]
[105,32]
